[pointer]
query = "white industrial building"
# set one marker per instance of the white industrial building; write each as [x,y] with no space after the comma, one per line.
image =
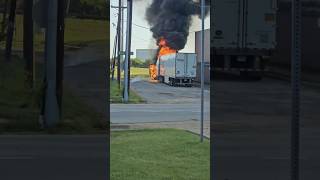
[146,54]
[206,54]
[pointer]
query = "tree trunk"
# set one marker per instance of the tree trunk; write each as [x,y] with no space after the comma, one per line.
[4,21]
[28,41]
[10,30]
[60,51]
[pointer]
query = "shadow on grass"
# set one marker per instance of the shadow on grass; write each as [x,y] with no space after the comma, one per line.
[20,105]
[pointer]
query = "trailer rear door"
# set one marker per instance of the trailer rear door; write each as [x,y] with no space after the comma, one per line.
[260,24]
[227,19]
[180,65]
[244,24]
[191,65]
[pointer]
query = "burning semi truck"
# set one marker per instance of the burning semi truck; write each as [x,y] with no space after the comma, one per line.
[170,21]
[172,67]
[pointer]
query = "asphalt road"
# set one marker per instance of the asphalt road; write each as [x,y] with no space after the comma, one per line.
[164,104]
[53,157]
[159,93]
[151,113]
[251,130]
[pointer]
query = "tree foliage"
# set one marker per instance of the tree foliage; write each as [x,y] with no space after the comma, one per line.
[93,9]
[136,62]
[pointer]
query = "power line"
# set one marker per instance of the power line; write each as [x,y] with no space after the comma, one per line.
[141,26]
[148,28]
[162,31]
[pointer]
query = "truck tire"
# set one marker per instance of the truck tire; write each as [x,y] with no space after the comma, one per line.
[172,82]
[161,79]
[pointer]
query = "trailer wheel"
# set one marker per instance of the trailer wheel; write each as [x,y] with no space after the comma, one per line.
[172,82]
[161,79]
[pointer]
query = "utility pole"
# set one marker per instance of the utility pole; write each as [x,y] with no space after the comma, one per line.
[119,45]
[296,86]
[28,42]
[130,34]
[114,54]
[202,69]
[51,109]
[122,29]
[128,50]
[60,51]
[10,29]
[119,38]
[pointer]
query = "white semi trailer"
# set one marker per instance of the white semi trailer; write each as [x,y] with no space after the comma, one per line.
[177,69]
[243,35]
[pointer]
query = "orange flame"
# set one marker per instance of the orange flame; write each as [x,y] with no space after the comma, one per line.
[164,49]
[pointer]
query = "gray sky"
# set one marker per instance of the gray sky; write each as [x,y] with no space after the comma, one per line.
[141,36]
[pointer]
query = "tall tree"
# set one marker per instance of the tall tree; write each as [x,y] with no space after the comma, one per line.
[28,41]
[12,16]
[60,51]
[4,20]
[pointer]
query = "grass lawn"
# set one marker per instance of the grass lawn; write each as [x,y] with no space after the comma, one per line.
[78,32]
[159,154]
[20,105]
[141,72]
[116,94]
[134,72]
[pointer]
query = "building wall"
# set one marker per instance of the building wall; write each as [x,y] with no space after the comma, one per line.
[310,41]
[206,46]
[145,54]
[206,54]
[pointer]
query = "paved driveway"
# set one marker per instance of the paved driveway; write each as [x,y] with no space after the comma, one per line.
[158,93]
[251,130]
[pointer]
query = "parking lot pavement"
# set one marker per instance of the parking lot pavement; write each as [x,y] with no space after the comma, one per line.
[251,130]
[158,93]
[166,107]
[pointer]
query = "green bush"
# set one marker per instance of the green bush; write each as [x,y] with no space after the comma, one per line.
[95,9]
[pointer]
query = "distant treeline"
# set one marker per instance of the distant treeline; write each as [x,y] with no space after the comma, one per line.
[89,9]
[92,9]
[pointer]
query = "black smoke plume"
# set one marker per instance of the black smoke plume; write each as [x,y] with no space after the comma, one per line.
[171,20]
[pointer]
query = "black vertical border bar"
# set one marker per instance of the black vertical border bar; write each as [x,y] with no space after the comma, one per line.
[211,93]
[296,86]
[107,164]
